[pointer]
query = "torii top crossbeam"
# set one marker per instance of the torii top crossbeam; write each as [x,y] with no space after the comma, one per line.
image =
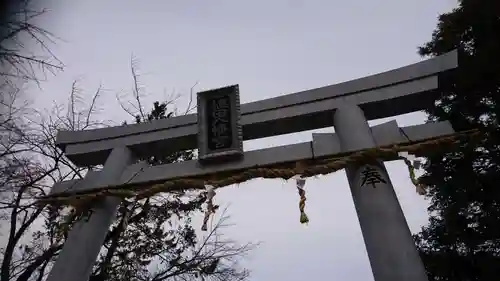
[390,93]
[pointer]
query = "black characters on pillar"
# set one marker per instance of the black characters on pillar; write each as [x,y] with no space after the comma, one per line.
[370,176]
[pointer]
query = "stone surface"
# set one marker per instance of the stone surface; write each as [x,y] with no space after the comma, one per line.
[389,243]
[86,237]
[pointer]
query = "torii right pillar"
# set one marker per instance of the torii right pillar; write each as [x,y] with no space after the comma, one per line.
[389,243]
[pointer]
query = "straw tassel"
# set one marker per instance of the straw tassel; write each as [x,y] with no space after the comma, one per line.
[302,201]
[300,182]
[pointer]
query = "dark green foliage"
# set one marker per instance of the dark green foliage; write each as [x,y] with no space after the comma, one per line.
[159,111]
[462,240]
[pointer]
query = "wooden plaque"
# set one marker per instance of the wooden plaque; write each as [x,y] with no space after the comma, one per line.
[219,130]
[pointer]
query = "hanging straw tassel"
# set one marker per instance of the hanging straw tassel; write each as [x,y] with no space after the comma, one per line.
[300,183]
[210,206]
[419,187]
[302,202]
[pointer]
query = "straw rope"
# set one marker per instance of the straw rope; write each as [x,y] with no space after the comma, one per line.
[307,168]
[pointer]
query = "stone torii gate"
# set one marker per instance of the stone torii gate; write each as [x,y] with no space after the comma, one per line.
[347,106]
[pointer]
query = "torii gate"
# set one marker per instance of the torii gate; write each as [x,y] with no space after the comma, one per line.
[347,106]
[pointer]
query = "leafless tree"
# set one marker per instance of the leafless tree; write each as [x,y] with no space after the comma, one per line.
[214,258]
[30,163]
[25,47]
[134,106]
[170,242]
[156,231]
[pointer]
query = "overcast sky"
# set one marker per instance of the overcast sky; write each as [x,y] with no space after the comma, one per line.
[269,48]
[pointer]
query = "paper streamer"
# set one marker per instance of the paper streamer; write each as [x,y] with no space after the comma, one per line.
[408,158]
[211,208]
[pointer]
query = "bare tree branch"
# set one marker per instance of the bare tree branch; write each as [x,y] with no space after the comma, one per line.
[190,107]
[214,258]
[137,87]
[15,58]
[30,163]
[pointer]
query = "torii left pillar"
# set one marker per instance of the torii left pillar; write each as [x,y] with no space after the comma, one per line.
[86,237]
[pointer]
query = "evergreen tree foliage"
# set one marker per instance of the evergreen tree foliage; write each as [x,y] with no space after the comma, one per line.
[462,239]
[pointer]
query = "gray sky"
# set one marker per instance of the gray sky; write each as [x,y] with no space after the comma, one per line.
[269,48]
